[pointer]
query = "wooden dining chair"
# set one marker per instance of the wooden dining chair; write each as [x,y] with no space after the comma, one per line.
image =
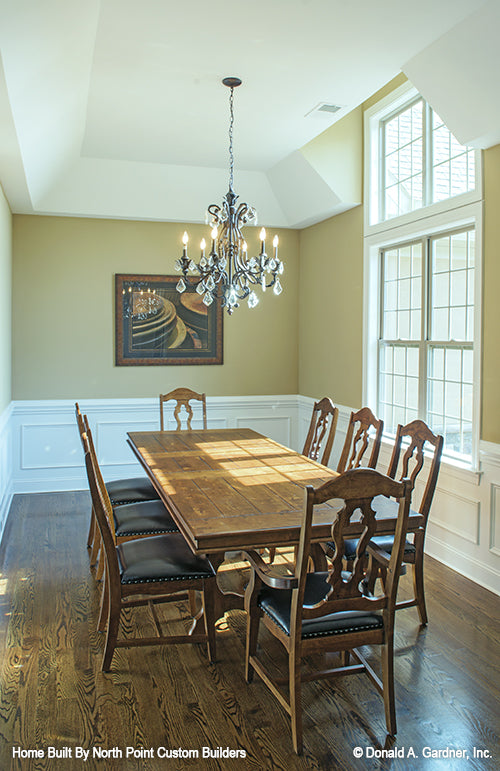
[316,612]
[357,440]
[321,430]
[147,571]
[319,437]
[120,491]
[183,398]
[413,442]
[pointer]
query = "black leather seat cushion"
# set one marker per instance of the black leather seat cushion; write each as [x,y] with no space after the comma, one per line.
[131,490]
[160,558]
[148,517]
[384,541]
[276,603]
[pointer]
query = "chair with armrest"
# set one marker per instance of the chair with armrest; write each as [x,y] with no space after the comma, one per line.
[357,440]
[330,611]
[183,398]
[147,571]
[321,429]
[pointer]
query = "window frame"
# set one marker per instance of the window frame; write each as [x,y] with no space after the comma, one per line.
[373,167]
[465,216]
[465,210]
[425,341]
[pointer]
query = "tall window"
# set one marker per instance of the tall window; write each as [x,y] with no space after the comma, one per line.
[422,293]
[426,336]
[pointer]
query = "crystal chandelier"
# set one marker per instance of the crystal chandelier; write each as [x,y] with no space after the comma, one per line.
[227,273]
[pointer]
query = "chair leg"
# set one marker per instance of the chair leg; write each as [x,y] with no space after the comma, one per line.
[418,586]
[295,700]
[111,637]
[100,564]
[96,544]
[92,529]
[253,620]
[208,600]
[388,684]
[193,610]
[104,612]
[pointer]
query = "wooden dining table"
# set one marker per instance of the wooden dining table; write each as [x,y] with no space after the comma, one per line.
[232,490]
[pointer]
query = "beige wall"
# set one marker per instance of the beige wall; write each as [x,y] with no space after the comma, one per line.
[491,304]
[63,324]
[330,308]
[5,302]
[331,334]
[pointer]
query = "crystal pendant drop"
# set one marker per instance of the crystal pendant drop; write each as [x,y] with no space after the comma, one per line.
[181,286]
[231,297]
[277,289]
[201,287]
[192,265]
[203,262]
[210,283]
[178,265]
[281,268]
[208,299]
[253,300]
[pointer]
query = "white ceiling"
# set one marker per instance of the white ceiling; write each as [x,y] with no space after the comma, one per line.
[115,108]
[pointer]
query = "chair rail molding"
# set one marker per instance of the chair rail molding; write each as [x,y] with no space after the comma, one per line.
[40,451]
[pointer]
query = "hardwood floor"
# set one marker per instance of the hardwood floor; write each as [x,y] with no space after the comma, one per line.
[53,694]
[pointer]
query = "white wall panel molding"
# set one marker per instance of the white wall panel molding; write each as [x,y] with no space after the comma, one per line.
[5,465]
[46,453]
[40,451]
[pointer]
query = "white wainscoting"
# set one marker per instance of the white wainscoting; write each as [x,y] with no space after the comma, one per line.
[40,451]
[47,454]
[5,466]
[463,530]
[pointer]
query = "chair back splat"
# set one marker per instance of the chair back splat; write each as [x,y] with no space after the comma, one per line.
[182,398]
[358,438]
[321,429]
[410,459]
[335,610]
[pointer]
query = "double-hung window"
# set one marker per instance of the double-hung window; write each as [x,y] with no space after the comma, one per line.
[426,337]
[422,268]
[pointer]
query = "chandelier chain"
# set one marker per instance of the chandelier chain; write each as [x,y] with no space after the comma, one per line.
[231,124]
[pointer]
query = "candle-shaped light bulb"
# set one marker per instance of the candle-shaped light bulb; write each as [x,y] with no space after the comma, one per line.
[276,242]
[244,246]
[185,239]
[262,237]
[214,233]
[203,244]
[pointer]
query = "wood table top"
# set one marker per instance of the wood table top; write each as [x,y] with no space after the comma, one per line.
[235,489]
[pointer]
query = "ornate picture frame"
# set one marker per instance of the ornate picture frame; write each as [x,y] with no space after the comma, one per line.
[155,325]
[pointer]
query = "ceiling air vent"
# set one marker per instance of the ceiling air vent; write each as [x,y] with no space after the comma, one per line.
[324,108]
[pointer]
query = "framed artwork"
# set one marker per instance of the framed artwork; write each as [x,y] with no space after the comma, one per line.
[154,324]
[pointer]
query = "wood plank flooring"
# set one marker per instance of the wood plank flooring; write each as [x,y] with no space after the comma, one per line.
[52,693]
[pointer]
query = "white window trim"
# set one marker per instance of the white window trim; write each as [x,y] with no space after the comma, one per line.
[466,215]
